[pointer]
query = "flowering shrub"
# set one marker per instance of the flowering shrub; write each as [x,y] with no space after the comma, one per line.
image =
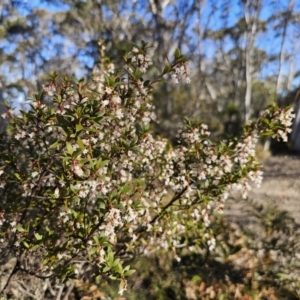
[85,185]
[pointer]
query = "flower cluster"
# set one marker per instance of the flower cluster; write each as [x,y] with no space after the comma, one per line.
[181,72]
[85,182]
[283,116]
[142,60]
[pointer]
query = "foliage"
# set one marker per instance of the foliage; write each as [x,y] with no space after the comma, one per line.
[85,185]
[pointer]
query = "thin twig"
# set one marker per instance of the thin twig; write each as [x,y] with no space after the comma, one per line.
[175,198]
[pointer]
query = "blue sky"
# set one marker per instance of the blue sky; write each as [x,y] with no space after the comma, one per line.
[267,41]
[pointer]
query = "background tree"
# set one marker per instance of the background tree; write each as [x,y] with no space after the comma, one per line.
[230,45]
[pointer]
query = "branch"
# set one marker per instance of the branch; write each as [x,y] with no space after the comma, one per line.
[34,273]
[175,198]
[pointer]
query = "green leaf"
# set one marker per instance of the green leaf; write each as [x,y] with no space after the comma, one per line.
[81,80]
[267,133]
[265,121]
[146,83]
[80,144]
[101,163]
[118,267]
[35,247]
[20,229]
[135,150]
[196,278]
[79,127]
[126,189]
[167,69]
[18,176]
[116,262]
[54,145]
[38,236]
[110,257]
[177,53]
[25,244]
[69,148]
[107,268]
[75,80]
[283,275]
[61,121]
[129,272]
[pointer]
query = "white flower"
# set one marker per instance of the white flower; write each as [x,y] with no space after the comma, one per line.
[101,136]
[119,114]
[108,90]
[78,171]
[62,183]
[94,140]
[75,147]
[105,103]
[174,76]
[116,99]
[56,193]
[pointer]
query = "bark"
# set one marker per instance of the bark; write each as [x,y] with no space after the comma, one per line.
[282,55]
[250,36]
